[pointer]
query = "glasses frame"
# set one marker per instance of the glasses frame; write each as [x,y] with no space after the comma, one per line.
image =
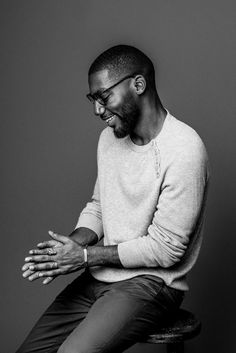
[96,96]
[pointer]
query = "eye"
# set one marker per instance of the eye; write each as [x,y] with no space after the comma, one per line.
[105,98]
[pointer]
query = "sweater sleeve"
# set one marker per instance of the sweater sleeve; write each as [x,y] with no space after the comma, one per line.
[176,217]
[91,216]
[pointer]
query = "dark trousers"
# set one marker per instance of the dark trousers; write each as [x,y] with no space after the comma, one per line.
[91,316]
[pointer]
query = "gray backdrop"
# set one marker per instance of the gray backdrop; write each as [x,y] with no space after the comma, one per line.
[49,136]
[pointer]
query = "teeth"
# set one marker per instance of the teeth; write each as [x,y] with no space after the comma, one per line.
[109,119]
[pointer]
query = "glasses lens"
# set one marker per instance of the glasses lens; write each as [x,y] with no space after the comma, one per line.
[96,98]
[90,98]
[100,100]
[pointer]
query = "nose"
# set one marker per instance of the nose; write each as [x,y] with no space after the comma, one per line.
[99,109]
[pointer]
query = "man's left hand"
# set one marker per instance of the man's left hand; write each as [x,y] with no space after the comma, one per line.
[69,258]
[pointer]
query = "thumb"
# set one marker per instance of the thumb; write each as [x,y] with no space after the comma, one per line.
[61,238]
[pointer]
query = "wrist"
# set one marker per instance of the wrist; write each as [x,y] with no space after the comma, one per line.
[84,236]
[85,256]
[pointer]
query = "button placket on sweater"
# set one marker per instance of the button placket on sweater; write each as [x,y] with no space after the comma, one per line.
[157,158]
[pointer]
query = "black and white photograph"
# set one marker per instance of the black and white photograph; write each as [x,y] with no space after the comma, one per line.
[117,123]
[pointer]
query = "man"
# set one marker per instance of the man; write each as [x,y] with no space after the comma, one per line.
[148,205]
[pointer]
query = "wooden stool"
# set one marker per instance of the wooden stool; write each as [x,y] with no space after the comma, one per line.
[181,326]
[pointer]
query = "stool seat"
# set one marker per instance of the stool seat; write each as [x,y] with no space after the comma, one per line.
[180,326]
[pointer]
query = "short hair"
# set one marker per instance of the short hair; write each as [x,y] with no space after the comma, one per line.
[123,60]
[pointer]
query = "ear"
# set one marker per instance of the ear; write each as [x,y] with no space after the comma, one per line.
[139,84]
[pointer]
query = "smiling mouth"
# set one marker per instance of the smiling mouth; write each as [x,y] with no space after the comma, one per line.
[110,118]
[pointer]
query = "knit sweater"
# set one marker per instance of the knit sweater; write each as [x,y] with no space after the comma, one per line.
[149,200]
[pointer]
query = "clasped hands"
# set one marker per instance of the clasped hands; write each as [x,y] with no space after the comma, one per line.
[58,256]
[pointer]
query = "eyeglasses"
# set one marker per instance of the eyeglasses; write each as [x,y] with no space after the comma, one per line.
[102,99]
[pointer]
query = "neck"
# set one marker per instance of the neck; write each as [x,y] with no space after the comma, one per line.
[150,122]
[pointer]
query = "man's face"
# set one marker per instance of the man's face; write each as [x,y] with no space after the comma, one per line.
[120,111]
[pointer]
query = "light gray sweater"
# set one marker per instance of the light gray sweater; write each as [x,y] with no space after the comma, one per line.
[150,201]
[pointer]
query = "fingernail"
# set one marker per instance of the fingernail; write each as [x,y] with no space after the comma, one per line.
[31,268]
[31,252]
[28,259]
[39,244]
[24,275]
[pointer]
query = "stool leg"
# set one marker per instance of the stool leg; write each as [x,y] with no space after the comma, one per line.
[175,347]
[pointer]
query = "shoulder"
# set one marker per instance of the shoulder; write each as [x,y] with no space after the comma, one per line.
[182,140]
[183,149]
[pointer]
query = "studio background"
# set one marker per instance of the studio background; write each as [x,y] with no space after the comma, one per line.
[49,137]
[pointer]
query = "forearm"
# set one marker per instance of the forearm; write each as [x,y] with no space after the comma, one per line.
[84,236]
[69,257]
[103,256]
